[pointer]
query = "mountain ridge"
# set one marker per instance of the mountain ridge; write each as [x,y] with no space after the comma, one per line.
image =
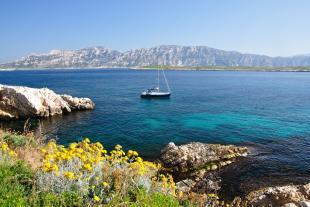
[168,55]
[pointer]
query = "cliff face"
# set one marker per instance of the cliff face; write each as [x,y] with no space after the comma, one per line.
[23,102]
[87,57]
[171,55]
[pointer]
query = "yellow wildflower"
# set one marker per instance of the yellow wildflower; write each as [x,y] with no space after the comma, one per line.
[4,147]
[86,140]
[79,150]
[99,145]
[83,158]
[73,145]
[52,144]
[139,159]
[96,198]
[118,147]
[43,151]
[87,167]
[54,167]
[69,175]
[12,153]
[129,153]
[105,184]
[212,195]
[47,164]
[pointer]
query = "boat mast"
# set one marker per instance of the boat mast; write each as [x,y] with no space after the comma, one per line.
[166,81]
[158,78]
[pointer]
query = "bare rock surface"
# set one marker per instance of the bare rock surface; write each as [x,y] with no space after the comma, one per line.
[194,165]
[198,164]
[196,155]
[289,195]
[78,103]
[24,102]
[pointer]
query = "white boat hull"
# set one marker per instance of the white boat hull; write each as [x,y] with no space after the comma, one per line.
[155,94]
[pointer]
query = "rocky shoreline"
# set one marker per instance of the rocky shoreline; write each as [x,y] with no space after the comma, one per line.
[23,102]
[195,168]
[197,159]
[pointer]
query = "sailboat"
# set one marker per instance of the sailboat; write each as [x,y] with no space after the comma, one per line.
[155,92]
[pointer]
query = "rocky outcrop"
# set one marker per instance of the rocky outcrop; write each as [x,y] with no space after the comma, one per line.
[24,102]
[78,103]
[198,155]
[286,196]
[193,165]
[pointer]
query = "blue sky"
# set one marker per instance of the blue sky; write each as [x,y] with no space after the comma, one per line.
[271,27]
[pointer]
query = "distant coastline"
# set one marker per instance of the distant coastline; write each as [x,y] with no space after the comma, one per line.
[64,68]
[180,68]
[225,68]
[169,56]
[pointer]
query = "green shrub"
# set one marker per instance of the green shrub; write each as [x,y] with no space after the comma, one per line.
[156,199]
[15,140]
[15,184]
[67,199]
[142,198]
[17,189]
[110,179]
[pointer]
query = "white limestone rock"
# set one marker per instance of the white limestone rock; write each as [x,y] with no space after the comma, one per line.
[24,102]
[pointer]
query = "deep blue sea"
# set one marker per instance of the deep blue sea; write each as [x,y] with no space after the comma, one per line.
[267,111]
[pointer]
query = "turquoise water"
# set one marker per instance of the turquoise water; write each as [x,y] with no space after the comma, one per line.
[268,111]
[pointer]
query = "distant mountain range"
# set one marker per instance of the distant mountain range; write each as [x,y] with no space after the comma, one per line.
[169,55]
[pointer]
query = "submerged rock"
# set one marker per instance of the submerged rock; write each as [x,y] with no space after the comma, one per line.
[24,102]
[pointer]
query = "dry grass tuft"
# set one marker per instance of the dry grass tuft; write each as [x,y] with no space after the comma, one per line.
[26,145]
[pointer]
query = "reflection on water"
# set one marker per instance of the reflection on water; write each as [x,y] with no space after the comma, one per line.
[49,127]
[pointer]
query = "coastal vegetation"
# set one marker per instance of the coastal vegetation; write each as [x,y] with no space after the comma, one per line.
[38,173]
